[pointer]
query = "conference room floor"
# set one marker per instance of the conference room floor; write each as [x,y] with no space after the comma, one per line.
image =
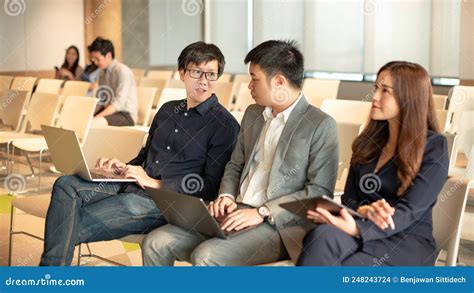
[27,250]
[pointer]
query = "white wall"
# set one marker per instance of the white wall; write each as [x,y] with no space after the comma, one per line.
[36,38]
[229,32]
[173,25]
[397,30]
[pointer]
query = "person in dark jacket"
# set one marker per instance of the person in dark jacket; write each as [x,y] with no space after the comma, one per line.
[399,166]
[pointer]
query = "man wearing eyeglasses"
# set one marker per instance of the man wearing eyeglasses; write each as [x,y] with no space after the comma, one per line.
[189,143]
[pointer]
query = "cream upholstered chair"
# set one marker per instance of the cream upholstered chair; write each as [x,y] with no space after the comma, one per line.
[448,216]
[160,74]
[49,86]
[461,98]
[138,73]
[316,90]
[347,111]
[13,103]
[167,95]
[242,100]
[157,83]
[440,101]
[145,96]
[238,80]
[175,84]
[23,83]
[223,90]
[75,88]
[347,133]
[442,119]
[5,82]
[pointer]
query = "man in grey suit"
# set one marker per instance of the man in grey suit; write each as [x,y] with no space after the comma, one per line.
[286,150]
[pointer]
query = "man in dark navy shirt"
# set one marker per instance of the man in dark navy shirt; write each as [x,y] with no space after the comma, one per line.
[188,146]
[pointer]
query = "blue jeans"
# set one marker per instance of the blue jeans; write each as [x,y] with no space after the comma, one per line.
[81,211]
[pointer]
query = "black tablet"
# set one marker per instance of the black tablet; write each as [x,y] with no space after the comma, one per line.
[300,207]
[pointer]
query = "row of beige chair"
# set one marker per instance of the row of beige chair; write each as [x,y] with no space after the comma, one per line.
[15,115]
[76,114]
[20,83]
[70,88]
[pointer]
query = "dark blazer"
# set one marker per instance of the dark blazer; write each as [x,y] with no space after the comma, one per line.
[413,210]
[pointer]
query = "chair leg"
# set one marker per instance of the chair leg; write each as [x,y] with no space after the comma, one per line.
[10,243]
[30,165]
[39,171]
[8,158]
[79,255]
[90,254]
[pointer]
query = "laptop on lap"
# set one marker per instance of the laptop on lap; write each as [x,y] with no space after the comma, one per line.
[69,159]
[189,212]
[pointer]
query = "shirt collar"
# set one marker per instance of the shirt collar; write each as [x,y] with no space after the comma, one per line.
[111,66]
[267,113]
[205,106]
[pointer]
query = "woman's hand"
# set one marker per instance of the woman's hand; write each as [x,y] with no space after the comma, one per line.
[380,212]
[344,221]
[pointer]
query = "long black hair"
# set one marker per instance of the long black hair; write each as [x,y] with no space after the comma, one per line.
[68,66]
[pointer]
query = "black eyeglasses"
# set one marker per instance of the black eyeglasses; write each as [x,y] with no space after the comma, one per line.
[197,74]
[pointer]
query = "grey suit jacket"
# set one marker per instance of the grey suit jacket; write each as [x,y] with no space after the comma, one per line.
[305,165]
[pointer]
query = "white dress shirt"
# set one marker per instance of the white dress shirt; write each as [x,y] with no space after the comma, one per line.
[253,190]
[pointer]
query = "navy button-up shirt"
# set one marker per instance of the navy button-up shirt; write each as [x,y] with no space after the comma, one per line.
[188,149]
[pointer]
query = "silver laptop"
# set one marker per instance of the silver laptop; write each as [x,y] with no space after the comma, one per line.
[68,158]
[189,212]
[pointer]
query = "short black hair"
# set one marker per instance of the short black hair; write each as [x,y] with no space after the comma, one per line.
[103,46]
[279,57]
[201,52]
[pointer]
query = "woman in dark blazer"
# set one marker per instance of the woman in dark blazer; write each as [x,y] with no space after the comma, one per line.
[398,167]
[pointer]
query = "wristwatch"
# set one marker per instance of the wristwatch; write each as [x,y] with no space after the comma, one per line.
[264,212]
